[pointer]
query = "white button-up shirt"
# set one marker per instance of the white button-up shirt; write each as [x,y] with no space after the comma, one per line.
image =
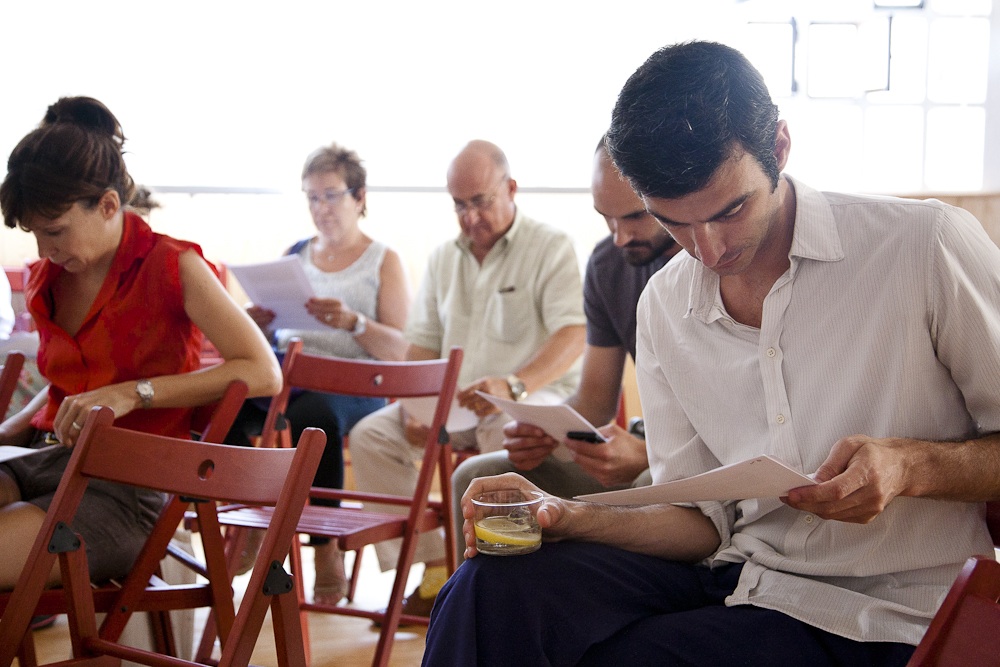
[503,310]
[887,323]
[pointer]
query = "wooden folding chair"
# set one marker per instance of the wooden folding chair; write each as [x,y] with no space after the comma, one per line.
[966,629]
[213,423]
[194,472]
[8,379]
[354,528]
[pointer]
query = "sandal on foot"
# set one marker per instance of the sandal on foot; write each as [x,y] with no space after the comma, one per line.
[331,575]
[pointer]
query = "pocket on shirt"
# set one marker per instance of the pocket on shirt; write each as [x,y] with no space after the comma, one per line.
[508,316]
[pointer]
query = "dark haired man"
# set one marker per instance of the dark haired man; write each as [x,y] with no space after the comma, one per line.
[617,272]
[857,337]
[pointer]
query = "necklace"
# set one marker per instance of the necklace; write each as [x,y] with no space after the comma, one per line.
[327,255]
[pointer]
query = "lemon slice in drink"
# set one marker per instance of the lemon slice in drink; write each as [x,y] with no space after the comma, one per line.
[501,530]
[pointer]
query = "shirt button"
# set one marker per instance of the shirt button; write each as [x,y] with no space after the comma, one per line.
[771,352]
[780,419]
[809,518]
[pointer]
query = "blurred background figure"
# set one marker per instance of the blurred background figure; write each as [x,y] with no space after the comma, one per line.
[361,305]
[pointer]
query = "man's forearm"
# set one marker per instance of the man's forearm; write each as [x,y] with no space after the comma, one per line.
[553,358]
[966,471]
[665,531]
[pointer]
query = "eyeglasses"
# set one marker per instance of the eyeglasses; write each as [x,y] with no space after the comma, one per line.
[330,197]
[479,202]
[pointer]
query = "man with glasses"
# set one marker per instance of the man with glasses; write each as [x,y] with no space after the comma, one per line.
[617,271]
[508,292]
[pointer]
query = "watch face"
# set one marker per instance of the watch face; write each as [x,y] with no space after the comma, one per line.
[145,390]
[517,389]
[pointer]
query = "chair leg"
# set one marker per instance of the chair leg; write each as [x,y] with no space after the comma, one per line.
[207,644]
[302,626]
[236,539]
[26,653]
[355,571]
[288,645]
[161,629]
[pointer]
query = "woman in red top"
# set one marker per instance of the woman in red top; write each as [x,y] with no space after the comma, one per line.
[120,312]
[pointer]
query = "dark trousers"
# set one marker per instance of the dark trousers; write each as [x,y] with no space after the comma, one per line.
[333,413]
[572,603]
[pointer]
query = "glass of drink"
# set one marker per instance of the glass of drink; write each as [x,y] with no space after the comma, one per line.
[505,522]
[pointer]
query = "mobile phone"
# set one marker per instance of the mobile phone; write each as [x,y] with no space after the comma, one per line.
[586,436]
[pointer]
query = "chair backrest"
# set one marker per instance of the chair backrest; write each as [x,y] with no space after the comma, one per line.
[8,379]
[362,377]
[386,379]
[193,470]
[966,629]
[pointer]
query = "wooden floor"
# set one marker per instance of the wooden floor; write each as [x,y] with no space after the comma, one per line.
[339,641]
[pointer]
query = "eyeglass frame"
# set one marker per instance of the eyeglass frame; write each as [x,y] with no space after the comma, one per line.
[329,198]
[461,207]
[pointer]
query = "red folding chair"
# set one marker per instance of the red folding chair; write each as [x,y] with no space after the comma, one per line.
[352,527]
[966,629]
[193,472]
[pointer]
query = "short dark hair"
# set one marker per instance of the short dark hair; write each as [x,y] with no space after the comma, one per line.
[686,110]
[74,155]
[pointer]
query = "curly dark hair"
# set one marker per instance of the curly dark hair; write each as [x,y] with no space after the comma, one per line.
[74,155]
[686,110]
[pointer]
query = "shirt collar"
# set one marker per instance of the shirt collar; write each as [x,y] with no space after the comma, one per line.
[815,237]
[465,243]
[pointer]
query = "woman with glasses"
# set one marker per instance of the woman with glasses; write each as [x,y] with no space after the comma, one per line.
[121,312]
[360,306]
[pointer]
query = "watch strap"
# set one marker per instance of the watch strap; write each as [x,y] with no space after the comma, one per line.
[517,389]
[145,390]
[360,326]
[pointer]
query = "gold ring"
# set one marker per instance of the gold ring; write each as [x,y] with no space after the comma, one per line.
[78,427]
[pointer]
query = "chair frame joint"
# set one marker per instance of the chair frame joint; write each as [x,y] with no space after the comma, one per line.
[63,539]
[278,581]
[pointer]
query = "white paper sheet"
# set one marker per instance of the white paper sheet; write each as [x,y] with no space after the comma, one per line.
[281,286]
[8,452]
[459,418]
[556,420]
[759,477]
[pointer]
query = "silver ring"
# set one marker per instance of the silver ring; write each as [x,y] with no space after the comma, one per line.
[78,427]
[328,317]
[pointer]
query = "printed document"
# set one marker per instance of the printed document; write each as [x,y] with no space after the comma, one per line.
[422,408]
[759,477]
[556,420]
[280,286]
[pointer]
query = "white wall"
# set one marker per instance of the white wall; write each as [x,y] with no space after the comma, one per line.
[234,95]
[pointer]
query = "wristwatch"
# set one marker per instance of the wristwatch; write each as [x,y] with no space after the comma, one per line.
[517,389]
[145,390]
[360,326]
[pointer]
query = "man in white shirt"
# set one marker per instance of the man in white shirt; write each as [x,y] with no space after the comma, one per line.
[507,291]
[854,337]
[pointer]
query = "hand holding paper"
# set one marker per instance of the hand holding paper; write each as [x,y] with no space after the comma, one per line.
[556,420]
[280,286]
